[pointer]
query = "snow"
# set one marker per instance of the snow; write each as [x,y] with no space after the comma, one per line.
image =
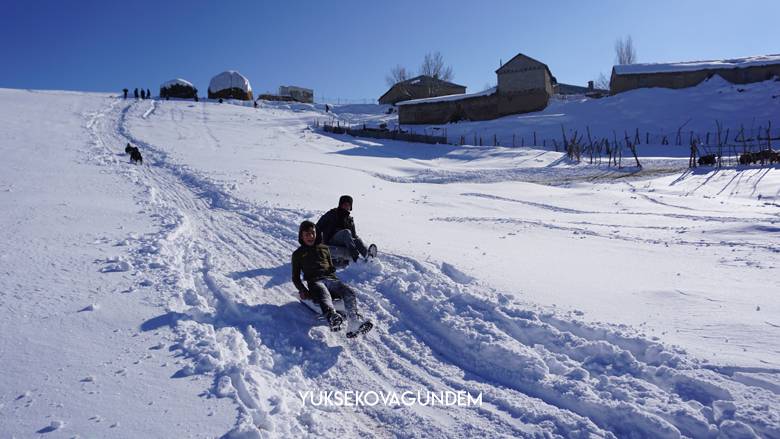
[229,79]
[688,66]
[578,300]
[447,98]
[177,81]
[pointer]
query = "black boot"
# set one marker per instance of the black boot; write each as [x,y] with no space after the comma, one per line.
[334,321]
[358,325]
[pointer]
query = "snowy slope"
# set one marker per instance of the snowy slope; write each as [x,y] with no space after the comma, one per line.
[74,357]
[195,284]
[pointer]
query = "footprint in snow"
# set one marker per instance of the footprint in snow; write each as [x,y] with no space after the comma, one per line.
[54,426]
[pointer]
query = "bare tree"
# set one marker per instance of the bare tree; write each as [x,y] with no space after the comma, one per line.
[433,65]
[602,82]
[397,74]
[625,53]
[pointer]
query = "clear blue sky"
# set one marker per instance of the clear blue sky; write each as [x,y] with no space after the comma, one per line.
[346,48]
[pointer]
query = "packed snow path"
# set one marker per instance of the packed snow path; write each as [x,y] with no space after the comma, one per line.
[221,265]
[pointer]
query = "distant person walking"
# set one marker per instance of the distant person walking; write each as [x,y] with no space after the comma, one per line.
[125,92]
[694,151]
[135,92]
[148,94]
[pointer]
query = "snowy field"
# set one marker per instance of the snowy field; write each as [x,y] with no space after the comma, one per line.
[578,300]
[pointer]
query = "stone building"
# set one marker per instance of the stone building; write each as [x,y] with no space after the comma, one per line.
[418,88]
[522,74]
[300,94]
[590,91]
[689,73]
[524,85]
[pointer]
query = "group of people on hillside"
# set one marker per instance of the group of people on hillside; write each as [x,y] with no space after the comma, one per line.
[313,260]
[144,94]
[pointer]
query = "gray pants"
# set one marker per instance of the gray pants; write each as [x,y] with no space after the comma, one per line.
[344,238]
[324,291]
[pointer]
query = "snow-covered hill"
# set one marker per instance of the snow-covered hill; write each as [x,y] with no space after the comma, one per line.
[578,301]
[656,114]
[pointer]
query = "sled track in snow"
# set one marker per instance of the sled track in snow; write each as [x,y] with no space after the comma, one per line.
[221,267]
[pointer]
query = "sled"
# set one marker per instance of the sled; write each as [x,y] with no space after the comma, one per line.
[338,305]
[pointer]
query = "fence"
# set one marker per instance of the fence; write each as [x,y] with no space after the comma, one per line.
[343,101]
[724,146]
[721,147]
[381,133]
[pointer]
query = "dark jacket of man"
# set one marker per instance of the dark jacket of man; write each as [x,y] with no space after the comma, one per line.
[334,220]
[314,261]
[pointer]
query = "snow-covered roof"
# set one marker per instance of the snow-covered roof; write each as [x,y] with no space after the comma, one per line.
[422,79]
[446,98]
[229,79]
[687,66]
[177,81]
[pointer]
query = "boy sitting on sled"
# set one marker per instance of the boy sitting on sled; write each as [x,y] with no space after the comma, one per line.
[313,259]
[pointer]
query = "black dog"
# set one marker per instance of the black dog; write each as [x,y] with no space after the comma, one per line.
[135,156]
[709,159]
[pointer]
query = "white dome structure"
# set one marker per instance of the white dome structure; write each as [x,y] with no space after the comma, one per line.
[178,88]
[230,85]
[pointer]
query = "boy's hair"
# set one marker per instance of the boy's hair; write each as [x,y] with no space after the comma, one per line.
[345,199]
[308,225]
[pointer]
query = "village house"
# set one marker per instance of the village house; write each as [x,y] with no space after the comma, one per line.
[689,73]
[419,87]
[590,91]
[300,94]
[524,85]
